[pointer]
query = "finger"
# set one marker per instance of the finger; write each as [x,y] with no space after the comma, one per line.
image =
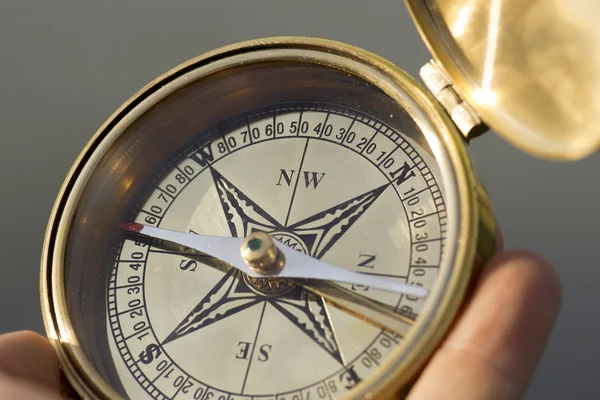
[29,357]
[492,351]
[12,388]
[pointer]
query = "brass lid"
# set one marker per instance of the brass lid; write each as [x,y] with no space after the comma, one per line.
[530,68]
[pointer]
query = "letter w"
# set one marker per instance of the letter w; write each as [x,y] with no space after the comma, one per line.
[204,156]
[313,178]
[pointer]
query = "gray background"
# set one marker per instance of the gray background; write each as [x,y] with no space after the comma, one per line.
[66,65]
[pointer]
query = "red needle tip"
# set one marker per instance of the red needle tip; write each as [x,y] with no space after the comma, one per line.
[131,226]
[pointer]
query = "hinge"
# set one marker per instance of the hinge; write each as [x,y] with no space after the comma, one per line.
[462,114]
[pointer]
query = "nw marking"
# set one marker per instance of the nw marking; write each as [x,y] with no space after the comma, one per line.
[311,179]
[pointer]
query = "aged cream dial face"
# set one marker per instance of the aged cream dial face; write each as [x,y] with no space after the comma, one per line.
[328,181]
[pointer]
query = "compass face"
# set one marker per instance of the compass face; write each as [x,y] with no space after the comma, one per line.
[323,161]
[327,181]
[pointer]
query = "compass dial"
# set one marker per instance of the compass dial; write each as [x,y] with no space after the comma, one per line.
[303,145]
[328,181]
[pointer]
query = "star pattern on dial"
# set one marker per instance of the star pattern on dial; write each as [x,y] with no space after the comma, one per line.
[222,301]
[234,294]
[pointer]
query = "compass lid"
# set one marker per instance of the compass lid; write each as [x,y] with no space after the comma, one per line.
[530,68]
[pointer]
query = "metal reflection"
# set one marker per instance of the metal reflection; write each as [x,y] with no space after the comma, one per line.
[530,68]
[487,94]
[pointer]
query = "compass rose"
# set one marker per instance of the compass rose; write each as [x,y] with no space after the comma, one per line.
[236,292]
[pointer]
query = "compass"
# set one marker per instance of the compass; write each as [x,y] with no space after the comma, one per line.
[287,218]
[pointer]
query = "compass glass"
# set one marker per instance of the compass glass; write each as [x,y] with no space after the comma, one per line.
[321,159]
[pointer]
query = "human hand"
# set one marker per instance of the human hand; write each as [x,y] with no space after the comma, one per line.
[490,354]
[28,368]
[493,349]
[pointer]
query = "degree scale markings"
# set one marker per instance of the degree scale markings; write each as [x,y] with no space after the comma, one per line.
[199,169]
[215,155]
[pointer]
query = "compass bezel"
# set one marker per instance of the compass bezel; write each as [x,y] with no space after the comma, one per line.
[472,212]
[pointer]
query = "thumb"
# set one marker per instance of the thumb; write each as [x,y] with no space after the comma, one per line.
[26,357]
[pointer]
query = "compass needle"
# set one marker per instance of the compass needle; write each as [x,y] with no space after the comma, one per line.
[297,265]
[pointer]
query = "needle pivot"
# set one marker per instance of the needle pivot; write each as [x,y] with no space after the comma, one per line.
[261,254]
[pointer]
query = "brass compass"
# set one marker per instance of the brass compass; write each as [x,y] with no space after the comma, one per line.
[296,218]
